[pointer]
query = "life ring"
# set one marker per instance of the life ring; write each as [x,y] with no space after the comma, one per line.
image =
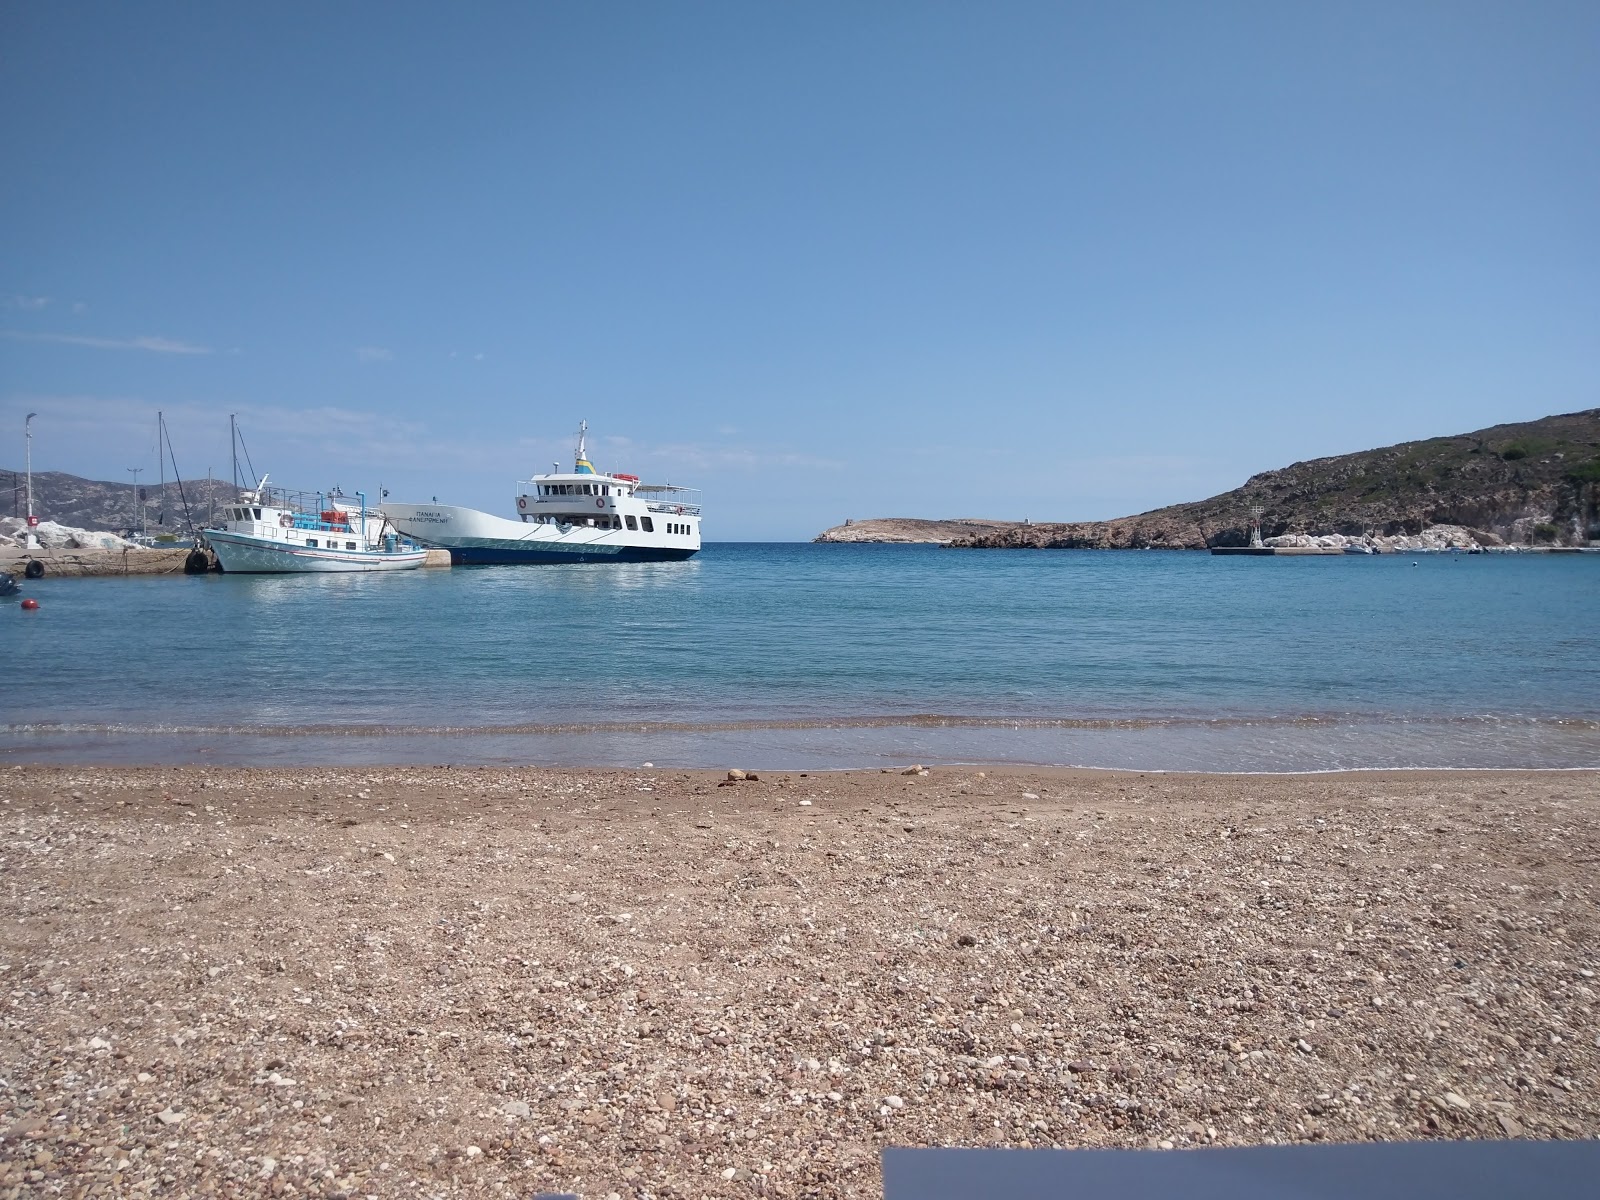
[285,520]
[680,510]
[599,501]
[522,502]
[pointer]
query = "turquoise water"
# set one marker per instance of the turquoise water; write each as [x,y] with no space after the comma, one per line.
[814,656]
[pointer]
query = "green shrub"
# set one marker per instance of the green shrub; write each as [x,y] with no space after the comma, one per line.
[1545,533]
[1513,452]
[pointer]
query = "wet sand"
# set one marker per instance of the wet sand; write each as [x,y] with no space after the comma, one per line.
[426,981]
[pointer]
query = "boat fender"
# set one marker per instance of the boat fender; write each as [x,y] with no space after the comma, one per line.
[198,563]
[599,501]
[285,520]
[34,569]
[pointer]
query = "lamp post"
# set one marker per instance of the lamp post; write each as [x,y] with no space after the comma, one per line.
[27,433]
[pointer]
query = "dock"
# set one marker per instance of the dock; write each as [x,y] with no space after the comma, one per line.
[60,564]
[70,563]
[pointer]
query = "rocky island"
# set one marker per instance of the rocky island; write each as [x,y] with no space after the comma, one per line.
[1532,482]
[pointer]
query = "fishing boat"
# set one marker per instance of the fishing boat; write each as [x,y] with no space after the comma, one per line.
[273,531]
[578,516]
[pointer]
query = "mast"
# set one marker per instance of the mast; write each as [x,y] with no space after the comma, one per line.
[583,429]
[161,502]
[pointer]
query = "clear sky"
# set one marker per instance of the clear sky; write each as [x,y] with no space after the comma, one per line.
[822,260]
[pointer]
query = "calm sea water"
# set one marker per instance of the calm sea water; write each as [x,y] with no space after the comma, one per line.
[799,656]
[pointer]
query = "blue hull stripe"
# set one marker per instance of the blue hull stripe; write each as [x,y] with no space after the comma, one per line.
[469,556]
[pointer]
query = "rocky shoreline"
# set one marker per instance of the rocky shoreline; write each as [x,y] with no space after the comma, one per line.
[438,982]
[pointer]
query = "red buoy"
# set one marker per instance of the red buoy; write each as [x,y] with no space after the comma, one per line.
[30,605]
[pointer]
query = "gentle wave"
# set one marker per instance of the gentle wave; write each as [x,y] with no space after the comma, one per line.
[882,721]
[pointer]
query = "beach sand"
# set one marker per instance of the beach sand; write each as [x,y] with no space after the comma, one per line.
[426,981]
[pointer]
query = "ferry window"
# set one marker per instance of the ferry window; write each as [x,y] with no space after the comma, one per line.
[649,525]
[312,543]
[632,524]
[258,514]
[349,545]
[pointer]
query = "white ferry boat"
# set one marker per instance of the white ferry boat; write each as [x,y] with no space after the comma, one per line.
[272,531]
[580,516]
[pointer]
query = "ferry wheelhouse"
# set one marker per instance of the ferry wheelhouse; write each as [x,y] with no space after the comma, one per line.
[271,530]
[582,515]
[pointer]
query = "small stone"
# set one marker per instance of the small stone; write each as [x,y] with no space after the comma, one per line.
[1166,1145]
[1457,1101]
[894,1101]
[728,1173]
[167,1117]
[1510,1126]
[966,939]
[517,1108]
[213,972]
[1030,795]
[666,1102]
[919,769]
[735,775]
[649,766]
[268,1166]
[474,1151]
[805,804]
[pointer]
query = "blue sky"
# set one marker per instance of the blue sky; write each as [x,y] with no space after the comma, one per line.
[1062,261]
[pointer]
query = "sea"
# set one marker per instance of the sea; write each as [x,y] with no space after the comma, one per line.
[801,656]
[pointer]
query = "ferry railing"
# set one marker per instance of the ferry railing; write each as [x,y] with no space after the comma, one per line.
[684,510]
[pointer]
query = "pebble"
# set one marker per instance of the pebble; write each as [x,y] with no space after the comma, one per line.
[736,775]
[818,951]
[167,1117]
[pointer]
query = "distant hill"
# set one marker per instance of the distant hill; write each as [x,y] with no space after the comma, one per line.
[1531,481]
[95,504]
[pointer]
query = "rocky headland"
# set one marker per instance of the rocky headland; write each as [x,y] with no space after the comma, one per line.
[911,530]
[1534,482]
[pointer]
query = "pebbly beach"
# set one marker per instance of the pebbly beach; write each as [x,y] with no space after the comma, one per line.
[433,981]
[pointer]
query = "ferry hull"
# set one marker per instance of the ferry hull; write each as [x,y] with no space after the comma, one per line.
[239,554]
[476,538]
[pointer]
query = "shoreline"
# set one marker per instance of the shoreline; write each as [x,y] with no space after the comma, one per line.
[357,980]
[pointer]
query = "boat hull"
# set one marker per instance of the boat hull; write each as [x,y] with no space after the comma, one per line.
[239,554]
[476,538]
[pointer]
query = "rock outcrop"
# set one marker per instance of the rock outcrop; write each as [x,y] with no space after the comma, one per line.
[909,530]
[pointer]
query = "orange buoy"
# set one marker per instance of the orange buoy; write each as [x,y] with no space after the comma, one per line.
[30,605]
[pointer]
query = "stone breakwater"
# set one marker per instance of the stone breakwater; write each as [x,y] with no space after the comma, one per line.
[637,983]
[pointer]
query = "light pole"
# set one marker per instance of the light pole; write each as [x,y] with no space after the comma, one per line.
[27,433]
[137,507]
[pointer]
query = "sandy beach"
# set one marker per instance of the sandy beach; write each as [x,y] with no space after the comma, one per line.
[475,982]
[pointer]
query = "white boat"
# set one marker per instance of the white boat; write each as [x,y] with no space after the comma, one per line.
[271,531]
[579,516]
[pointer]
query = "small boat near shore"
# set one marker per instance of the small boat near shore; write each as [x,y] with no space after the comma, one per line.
[579,516]
[272,531]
